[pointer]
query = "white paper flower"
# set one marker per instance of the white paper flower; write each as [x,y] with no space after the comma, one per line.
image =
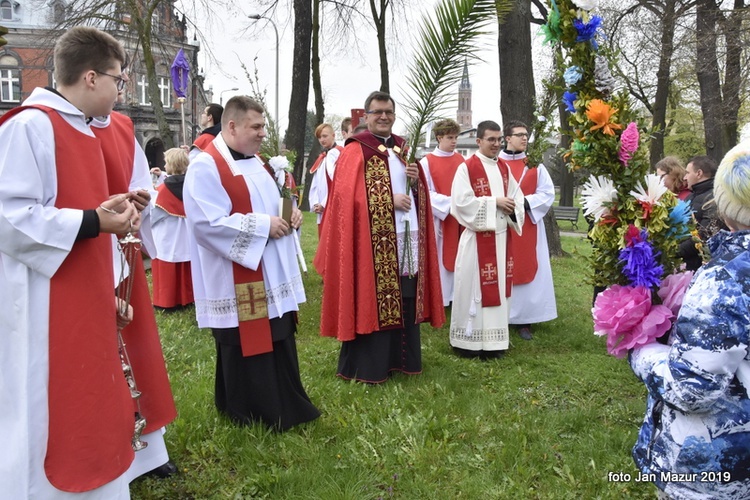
[652,192]
[586,4]
[280,165]
[597,191]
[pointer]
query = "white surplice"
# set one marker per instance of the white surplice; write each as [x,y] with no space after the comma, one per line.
[534,302]
[217,239]
[441,208]
[474,327]
[319,186]
[35,239]
[170,234]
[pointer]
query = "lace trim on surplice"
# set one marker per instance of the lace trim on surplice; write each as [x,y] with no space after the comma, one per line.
[243,240]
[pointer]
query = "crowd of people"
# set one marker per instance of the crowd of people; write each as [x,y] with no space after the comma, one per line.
[399,243]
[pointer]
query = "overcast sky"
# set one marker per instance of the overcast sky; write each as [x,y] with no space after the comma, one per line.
[348,76]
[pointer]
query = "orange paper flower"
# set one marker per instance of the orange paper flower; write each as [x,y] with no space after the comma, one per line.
[601,113]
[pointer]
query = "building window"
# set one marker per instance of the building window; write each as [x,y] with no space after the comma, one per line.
[165,91]
[10,85]
[6,10]
[144,99]
[10,79]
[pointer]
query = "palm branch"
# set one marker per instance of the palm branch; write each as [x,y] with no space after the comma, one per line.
[447,38]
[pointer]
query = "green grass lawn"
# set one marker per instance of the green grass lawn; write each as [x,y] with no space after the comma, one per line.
[549,420]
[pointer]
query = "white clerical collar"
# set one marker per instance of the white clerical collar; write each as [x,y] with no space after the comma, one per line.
[486,158]
[512,156]
[444,154]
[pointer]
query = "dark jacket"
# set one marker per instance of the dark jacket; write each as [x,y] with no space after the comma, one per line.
[706,218]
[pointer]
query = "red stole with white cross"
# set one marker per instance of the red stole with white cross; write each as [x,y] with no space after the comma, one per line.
[486,242]
[249,287]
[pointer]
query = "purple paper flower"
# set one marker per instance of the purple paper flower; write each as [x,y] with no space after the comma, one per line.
[568,99]
[587,30]
[639,260]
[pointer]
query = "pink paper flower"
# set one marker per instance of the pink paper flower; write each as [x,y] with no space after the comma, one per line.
[625,315]
[673,289]
[657,322]
[628,143]
[618,309]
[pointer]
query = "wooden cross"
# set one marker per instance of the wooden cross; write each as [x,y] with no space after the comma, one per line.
[251,301]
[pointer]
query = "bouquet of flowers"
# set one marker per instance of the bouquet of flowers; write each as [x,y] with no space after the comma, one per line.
[637,223]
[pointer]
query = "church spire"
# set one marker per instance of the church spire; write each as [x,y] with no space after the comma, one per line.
[463,116]
[465,84]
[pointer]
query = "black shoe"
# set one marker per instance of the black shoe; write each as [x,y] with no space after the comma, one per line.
[164,470]
[487,355]
[525,333]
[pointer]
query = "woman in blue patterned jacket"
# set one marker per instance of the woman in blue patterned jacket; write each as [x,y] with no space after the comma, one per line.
[695,438]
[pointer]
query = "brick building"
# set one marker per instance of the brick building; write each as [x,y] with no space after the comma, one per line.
[26,63]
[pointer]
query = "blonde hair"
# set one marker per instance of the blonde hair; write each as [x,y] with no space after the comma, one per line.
[732,185]
[176,161]
[672,167]
[320,128]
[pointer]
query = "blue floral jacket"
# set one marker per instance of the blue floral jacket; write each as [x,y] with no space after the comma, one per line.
[695,437]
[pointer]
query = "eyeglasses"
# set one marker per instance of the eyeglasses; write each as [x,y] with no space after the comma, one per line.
[120,80]
[520,134]
[380,112]
[493,140]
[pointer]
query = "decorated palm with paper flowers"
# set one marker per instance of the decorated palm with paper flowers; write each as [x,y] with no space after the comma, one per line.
[637,223]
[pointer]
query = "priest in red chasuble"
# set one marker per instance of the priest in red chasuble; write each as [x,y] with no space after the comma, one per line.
[486,201]
[378,255]
[439,168]
[533,289]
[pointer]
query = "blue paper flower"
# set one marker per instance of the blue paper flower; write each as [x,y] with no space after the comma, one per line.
[568,99]
[640,260]
[572,75]
[588,30]
[679,217]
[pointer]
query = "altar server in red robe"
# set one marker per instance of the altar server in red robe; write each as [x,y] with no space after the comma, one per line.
[439,168]
[67,414]
[127,169]
[172,282]
[533,289]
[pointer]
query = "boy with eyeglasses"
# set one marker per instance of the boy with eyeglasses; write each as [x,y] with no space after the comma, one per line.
[533,289]
[68,414]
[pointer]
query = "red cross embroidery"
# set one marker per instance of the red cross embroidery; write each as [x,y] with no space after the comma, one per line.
[251,301]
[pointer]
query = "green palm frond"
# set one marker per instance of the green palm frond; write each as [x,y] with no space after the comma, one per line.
[447,38]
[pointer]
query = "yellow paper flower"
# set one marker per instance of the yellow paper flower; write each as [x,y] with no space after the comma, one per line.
[601,113]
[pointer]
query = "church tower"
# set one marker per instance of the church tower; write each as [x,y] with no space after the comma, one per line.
[463,117]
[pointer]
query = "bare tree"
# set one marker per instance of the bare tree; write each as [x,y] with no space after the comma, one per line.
[295,134]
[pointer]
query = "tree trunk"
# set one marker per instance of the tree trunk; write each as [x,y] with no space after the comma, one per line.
[659,118]
[707,69]
[732,75]
[552,229]
[154,93]
[319,104]
[380,19]
[295,135]
[516,67]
